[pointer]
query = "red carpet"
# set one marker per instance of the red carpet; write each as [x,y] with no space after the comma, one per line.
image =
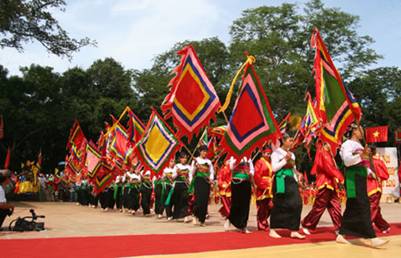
[135,245]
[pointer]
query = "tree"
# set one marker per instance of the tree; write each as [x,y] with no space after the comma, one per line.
[22,21]
[278,37]
[379,91]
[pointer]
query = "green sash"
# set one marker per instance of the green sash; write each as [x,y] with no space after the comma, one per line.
[241,176]
[116,186]
[168,199]
[202,174]
[280,179]
[350,173]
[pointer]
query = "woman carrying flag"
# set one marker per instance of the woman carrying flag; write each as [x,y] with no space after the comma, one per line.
[356,217]
[287,202]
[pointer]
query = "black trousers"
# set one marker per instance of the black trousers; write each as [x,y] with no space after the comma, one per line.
[160,198]
[146,195]
[202,191]
[240,203]
[356,218]
[287,206]
[179,200]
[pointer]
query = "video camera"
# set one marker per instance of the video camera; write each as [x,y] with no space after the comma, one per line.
[28,223]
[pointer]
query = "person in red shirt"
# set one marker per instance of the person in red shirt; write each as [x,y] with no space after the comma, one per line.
[263,181]
[327,179]
[224,184]
[374,185]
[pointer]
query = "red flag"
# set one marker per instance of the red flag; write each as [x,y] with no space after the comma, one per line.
[7,160]
[376,134]
[77,136]
[192,100]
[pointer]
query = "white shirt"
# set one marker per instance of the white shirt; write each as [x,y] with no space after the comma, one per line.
[202,161]
[278,159]
[167,171]
[348,148]
[180,166]
[2,195]
[233,161]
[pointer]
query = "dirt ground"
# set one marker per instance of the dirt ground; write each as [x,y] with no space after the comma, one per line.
[69,219]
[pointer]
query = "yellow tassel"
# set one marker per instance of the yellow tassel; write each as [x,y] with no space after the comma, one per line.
[249,60]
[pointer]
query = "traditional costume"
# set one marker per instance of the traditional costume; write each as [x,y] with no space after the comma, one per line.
[203,176]
[264,197]
[327,178]
[179,199]
[146,192]
[287,202]
[356,218]
[224,184]
[375,193]
[118,193]
[241,192]
[162,188]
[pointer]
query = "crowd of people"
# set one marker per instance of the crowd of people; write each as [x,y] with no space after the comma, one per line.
[182,191]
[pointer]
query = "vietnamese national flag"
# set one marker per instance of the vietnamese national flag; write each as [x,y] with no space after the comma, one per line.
[376,134]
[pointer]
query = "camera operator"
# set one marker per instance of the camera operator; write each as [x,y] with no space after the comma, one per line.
[5,208]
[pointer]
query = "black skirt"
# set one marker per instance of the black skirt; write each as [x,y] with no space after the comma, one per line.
[240,202]
[133,196]
[146,195]
[356,219]
[179,200]
[287,206]
[202,191]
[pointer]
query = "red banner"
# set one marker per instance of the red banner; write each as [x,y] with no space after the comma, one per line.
[377,134]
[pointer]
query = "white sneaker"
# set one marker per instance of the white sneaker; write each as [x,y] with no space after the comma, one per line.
[386,231]
[377,242]
[227,225]
[187,219]
[306,231]
[296,234]
[170,218]
[274,234]
[341,240]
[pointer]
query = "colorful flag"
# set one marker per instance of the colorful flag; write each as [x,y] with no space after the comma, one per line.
[119,142]
[336,106]
[135,127]
[102,178]
[284,123]
[310,121]
[192,100]
[204,139]
[8,158]
[93,159]
[158,144]
[77,136]
[252,122]
[376,134]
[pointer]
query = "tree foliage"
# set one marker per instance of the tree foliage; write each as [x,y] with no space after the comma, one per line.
[23,21]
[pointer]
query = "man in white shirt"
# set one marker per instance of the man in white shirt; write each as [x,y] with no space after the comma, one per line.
[5,208]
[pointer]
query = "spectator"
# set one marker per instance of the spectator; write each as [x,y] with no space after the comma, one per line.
[5,208]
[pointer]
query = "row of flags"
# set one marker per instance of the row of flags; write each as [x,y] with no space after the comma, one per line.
[192,103]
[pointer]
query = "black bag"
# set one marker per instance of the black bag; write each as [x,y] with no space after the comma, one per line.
[23,224]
